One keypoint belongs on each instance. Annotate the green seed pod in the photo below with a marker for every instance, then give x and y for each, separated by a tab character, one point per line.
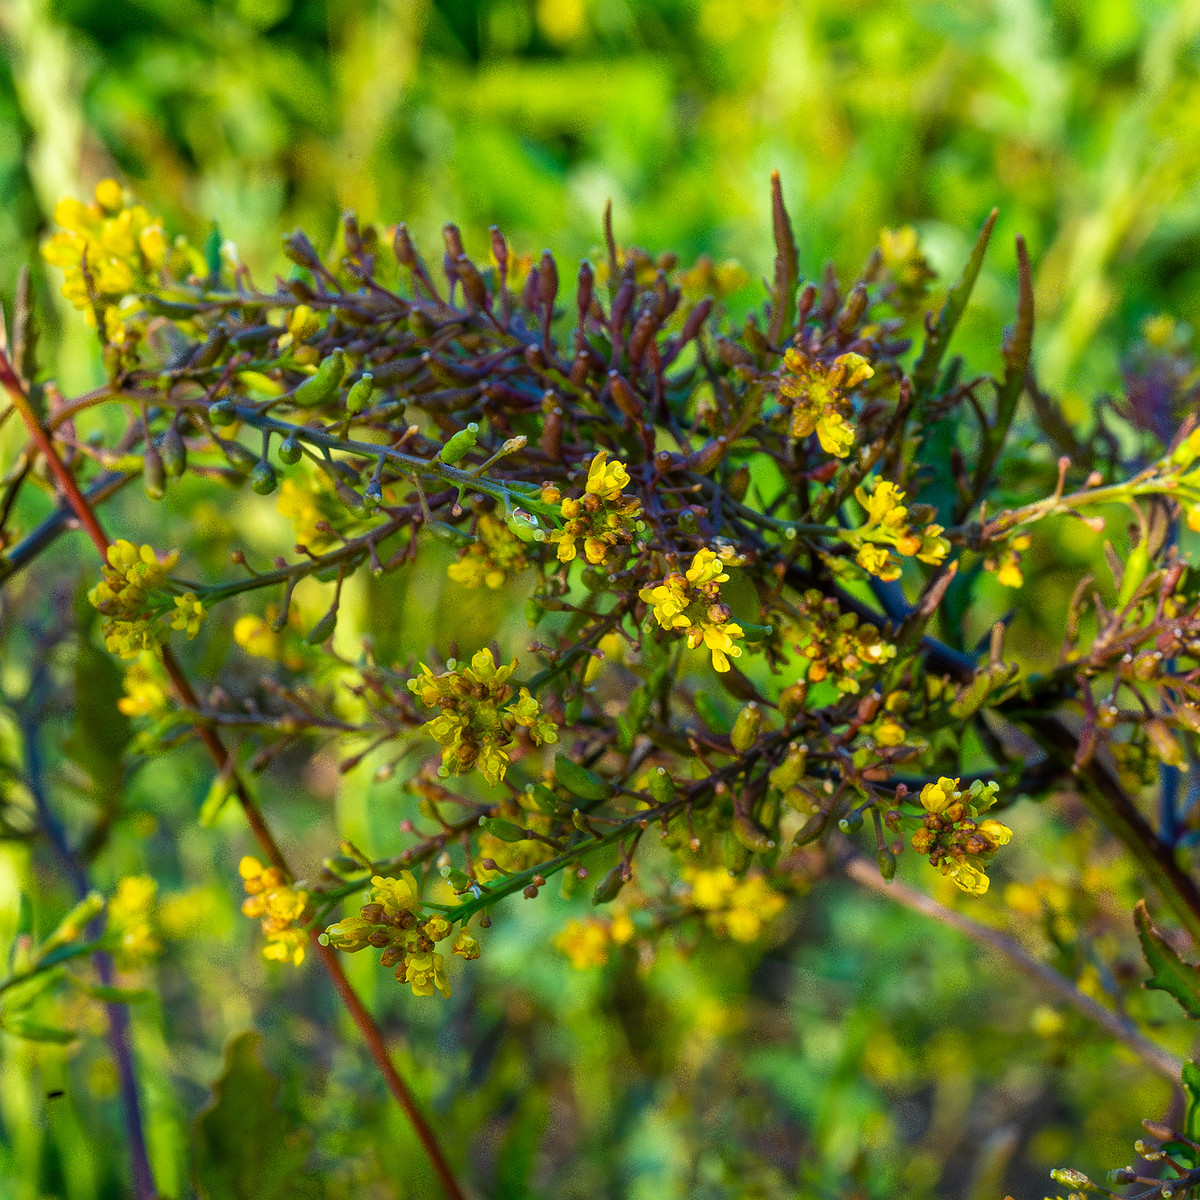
573	710
751	834
373	494
358	398
262	478
459	444
756	633
791	770
341	866
1137	566
543	798
661	786
746	727
318	388
525	527
610	886
174	452
813	827
460	881
1163	743
579	781
506	831
154	474
210	350
887	863
222	413
791	700
239	456
290	451
852	822
323	629
449	534
533	613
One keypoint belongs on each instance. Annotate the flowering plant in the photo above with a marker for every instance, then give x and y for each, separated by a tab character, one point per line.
755	562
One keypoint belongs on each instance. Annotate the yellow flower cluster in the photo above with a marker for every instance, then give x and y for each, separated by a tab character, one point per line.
956	841
478	718
391	921
130	575
586	943
887	528
130	929
837	646
496	554
692	602
819	395
144	694
107	251
280	906
602	518
732	907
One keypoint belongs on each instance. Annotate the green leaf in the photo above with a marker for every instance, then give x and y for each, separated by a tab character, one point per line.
32	1032
1191	1113
1170	973
518	1153
243	1147
925	372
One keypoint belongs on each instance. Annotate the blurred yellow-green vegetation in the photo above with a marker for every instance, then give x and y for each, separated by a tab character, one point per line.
858	1050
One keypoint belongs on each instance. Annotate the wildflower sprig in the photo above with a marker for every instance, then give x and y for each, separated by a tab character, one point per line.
603	518
278	906
479	714
955	836
691	604
889	527
391	920
818	394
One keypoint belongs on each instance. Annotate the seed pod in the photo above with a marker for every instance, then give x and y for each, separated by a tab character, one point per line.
318	388
746	728
581	782
473	286
301	251
262	478
243	459
791	770
358	399
583	291
210	350
449	534
751	834
813	827
887	863
661	786
610	886
323	629
506	831
624	397
290	451
154	475
222	413
1165	745
1137	565
174	451
852	822
791	700
459	444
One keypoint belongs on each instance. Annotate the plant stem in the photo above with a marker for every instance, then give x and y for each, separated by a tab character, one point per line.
1154	1056
262	833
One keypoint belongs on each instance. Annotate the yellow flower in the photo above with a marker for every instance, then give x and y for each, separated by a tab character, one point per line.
819	395
130	931
424	972
887	528
585	943
496	554
107	251
143	693
478	717
602	518
956	841
313	511
256	637
737	908
279	906
189	613
692	602
1008	572
465	945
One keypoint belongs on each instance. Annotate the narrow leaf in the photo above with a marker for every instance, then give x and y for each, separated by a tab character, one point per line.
938	339
1170	973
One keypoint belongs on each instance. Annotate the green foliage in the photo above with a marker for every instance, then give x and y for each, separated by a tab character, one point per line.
1170	973
244	1148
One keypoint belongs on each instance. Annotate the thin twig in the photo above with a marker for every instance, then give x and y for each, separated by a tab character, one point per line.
1154	1056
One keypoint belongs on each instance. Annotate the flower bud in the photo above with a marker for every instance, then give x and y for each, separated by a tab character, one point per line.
661	786
323	629
358	399
290	451
154	474
610	886
174	451
459	444
262	478
222	413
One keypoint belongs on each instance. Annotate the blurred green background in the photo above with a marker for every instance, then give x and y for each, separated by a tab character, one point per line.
859	1051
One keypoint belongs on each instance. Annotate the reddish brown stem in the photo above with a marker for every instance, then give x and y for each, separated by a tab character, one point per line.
370	1031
